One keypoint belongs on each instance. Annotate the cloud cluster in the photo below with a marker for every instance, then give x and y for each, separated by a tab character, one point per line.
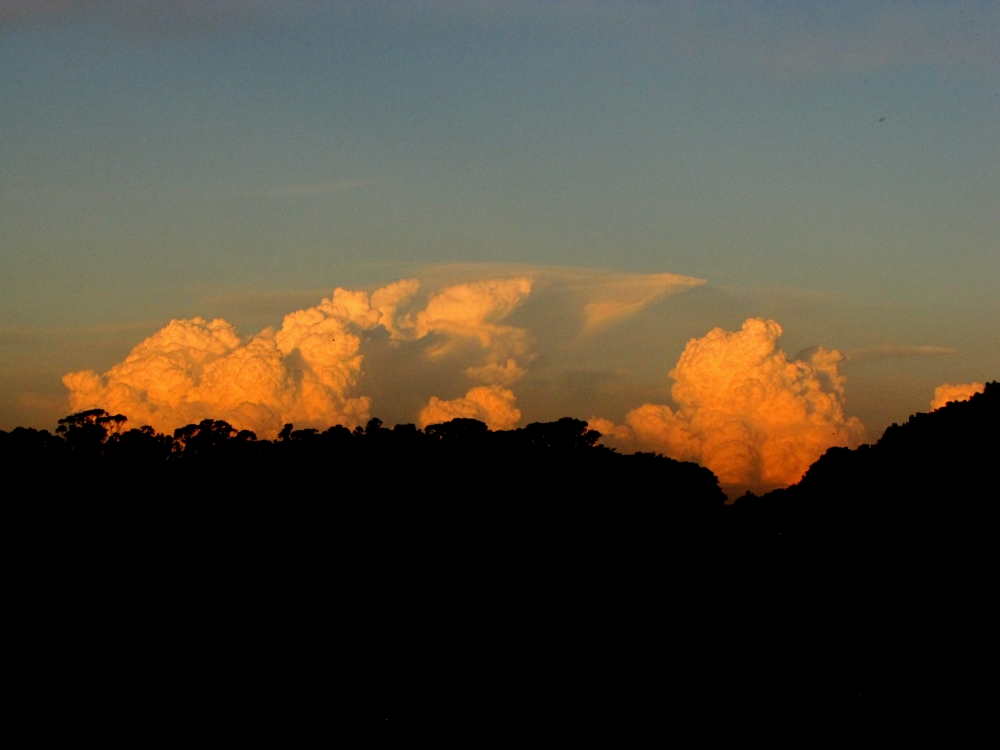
745	410
946	393
196	369
305	371
741	406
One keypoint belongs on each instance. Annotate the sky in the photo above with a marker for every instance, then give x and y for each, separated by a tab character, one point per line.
834	168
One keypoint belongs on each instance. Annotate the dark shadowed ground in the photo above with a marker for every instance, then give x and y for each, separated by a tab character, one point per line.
538	568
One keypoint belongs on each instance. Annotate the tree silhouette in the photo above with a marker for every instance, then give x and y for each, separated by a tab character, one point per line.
86	431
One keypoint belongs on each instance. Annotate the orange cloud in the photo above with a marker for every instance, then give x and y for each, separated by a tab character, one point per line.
195	369
303	373
947	393
746	411
490	404
309	368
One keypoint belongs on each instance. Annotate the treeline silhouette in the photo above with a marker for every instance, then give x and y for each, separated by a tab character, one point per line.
934	469
533	555
461	460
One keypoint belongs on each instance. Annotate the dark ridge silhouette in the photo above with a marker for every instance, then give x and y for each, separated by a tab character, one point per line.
885	553
934	469
531	557
460	461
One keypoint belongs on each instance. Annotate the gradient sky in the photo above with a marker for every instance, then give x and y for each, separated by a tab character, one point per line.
835	166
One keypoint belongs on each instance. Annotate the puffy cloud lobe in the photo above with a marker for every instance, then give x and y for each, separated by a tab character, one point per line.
154	383
490	404
474	311
746	411
193	369
945	394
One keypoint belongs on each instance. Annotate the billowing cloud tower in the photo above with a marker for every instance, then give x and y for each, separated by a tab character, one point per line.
746	411
196	369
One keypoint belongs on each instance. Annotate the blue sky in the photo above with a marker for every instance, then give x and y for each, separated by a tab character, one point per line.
832	165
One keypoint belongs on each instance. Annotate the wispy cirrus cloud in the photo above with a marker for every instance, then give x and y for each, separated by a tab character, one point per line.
620	296
590	300
896	352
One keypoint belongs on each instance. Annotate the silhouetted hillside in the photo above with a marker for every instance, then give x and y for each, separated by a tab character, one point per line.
936	470
523	548
885	555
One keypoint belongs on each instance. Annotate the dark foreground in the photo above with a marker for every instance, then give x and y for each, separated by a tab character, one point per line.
531	569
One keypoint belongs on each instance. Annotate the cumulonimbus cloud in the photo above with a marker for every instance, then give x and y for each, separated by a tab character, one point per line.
746	411
946	393
309	370
305	372
196	369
